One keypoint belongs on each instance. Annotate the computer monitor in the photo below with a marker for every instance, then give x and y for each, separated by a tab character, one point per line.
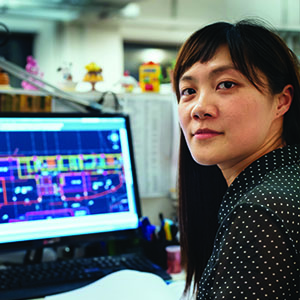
65	175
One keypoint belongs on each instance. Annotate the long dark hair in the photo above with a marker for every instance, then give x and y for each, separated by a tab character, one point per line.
253	47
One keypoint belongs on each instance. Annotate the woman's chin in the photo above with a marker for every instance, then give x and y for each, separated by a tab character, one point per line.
204	161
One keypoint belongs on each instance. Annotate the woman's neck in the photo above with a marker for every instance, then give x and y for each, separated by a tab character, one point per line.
232	170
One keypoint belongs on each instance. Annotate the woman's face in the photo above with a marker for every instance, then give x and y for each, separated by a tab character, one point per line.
224	118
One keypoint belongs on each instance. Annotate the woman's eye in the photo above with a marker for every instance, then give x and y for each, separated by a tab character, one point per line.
188	91
226	85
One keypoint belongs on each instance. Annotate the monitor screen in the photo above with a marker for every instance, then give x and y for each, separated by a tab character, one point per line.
65	175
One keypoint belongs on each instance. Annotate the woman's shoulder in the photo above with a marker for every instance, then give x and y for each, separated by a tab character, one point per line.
276	198
279	190
279	186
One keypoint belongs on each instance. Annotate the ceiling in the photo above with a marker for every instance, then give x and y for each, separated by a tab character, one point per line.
64	10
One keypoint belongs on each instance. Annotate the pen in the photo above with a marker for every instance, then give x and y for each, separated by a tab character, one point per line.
167	229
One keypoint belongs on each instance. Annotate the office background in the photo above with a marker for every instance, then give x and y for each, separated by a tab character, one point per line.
119	35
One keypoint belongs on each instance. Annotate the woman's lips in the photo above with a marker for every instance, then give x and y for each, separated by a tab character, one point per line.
202	134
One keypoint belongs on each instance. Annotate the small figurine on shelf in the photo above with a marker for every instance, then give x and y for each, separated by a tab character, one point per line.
128	83
32	68
93	75
67	82
149	77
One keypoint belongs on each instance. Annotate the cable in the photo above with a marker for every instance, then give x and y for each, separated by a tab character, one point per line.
4	39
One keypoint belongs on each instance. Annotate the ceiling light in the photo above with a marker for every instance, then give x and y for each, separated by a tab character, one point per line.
152	54
131	10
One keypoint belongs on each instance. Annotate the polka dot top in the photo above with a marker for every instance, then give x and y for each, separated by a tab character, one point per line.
256	249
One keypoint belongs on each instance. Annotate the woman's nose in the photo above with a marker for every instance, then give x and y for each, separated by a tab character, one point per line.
203	109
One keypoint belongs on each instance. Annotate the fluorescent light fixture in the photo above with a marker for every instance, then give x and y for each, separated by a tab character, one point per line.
152	54
50	14
131	10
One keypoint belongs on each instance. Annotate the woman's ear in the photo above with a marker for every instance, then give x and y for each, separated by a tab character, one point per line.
284	100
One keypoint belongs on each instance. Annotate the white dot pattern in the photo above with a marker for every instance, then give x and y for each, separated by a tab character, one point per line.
256	250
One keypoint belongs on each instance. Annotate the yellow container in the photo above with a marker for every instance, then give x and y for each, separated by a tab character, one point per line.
149	77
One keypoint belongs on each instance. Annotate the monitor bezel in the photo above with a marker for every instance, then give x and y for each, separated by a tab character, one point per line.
81	239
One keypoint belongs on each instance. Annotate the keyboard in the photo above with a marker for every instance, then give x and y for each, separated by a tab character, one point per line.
37	280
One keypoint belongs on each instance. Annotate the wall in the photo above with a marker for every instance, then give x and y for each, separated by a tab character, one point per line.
82	44
160	22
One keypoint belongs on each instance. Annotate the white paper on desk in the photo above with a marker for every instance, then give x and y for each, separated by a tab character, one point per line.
125	285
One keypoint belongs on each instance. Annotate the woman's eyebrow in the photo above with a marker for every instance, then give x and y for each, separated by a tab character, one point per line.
211	74
217	71
187	78
221	69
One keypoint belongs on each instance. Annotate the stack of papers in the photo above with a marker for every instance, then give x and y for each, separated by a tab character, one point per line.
126	285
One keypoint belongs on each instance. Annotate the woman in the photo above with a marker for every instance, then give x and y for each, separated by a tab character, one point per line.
238	92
